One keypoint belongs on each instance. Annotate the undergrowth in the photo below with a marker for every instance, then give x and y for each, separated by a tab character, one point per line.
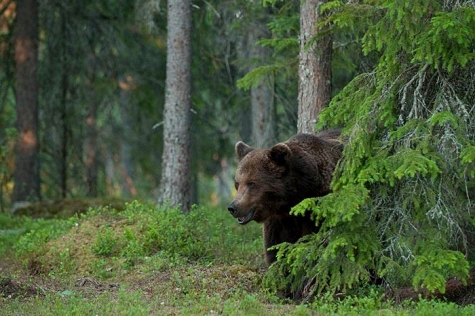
150	261
106	238
13	227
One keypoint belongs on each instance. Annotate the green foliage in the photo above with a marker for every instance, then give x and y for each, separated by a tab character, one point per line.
371	301
249	305
467	157
432	265
354	198
38	232
106	238
337	264
105	243
448	40
71	303
363	302
424	31
254	76
13	227
402	201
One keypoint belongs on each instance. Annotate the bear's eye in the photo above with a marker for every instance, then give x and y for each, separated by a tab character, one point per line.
251	185
236	185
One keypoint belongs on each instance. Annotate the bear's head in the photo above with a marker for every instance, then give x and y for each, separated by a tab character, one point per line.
262	184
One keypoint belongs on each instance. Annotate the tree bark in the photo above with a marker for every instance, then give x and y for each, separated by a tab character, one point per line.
175	184
27	178
314	66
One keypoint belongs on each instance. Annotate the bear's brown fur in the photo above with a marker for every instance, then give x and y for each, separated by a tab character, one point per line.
269	182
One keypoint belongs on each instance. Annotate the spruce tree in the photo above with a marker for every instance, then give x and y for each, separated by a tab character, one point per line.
402	206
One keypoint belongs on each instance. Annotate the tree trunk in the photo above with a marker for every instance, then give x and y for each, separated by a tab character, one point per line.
314	67
176	180
27	178
262	95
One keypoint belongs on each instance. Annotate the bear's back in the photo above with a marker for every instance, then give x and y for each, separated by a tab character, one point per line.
321	152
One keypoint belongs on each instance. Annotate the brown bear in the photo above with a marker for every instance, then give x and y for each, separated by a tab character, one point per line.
269	182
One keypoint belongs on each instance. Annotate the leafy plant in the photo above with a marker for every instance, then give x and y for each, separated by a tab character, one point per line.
38	232
106	243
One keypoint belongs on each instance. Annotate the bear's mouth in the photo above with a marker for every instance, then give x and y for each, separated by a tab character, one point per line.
246	219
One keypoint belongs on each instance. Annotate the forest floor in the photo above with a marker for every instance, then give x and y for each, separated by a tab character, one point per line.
140	262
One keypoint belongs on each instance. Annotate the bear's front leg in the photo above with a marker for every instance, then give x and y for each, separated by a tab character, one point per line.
285	229
271	232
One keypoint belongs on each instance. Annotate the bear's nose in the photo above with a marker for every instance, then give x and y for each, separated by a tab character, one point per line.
232	208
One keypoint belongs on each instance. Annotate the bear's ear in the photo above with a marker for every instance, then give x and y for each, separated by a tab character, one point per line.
242	150
279	153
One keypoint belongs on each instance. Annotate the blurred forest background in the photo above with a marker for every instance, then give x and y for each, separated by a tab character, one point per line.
101	82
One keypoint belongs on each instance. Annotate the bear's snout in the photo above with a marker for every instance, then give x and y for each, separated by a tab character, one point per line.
232	208
241	214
